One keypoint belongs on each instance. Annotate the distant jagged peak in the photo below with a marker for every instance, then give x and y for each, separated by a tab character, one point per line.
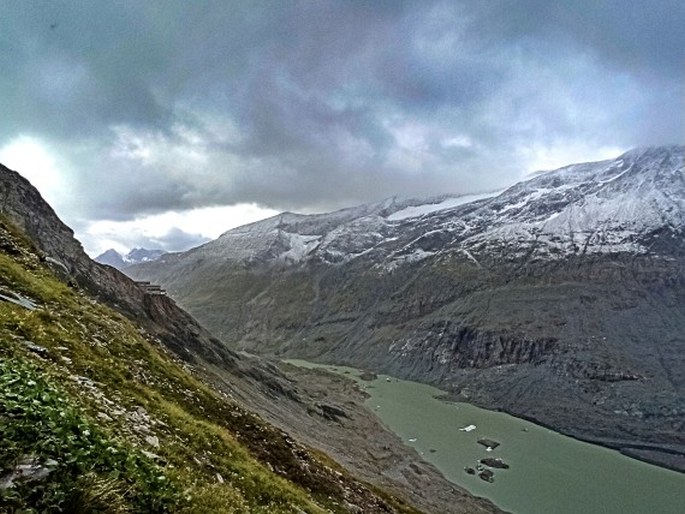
135	256
110	253
112	258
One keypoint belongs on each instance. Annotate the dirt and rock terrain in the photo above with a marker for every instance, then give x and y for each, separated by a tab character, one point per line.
326	411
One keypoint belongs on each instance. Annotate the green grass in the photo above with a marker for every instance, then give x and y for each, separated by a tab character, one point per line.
39	424
87	402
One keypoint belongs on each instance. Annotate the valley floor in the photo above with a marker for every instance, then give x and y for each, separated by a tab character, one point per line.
327	412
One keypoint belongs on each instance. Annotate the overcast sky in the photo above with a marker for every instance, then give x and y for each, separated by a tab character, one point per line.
163	123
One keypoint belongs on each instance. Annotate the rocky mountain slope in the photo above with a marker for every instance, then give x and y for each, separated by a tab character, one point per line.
115	399
559	299
136	256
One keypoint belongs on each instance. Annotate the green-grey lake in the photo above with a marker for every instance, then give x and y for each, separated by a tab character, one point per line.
550	473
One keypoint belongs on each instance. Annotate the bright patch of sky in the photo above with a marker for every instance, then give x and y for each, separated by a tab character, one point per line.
33	160
171	231
543	158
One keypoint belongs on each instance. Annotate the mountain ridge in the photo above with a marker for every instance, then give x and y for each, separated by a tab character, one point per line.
286	230
572	278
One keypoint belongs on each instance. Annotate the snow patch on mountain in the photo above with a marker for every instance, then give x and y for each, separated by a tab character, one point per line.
415	211
605	207
300	247
395	261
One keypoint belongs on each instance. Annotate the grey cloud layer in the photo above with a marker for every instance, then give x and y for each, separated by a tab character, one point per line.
175	240
316	105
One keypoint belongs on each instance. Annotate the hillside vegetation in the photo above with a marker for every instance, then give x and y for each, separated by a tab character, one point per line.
95	416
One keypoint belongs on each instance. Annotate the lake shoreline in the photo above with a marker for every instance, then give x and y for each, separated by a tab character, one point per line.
554	456
621	446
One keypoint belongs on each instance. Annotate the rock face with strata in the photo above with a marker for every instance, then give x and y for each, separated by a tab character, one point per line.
559	299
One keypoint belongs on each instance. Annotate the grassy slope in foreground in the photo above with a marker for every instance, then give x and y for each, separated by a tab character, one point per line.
99	418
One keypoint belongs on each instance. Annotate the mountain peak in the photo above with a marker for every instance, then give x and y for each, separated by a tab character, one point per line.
112	258
135	256
655	152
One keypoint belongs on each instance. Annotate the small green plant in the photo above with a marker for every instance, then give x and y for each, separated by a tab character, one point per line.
78	464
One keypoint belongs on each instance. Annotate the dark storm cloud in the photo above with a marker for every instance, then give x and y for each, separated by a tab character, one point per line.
74	67
315	105
635	35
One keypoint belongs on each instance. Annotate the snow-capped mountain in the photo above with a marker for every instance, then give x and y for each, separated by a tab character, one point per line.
558	299
603	207
135	256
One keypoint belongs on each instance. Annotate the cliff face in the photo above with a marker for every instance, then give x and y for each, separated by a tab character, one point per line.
559	299
22	205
